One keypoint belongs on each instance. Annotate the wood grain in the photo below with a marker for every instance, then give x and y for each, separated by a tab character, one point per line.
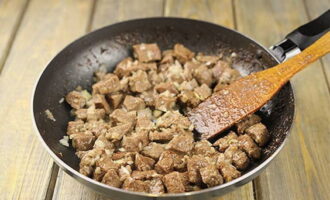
301	169
45	29
11	12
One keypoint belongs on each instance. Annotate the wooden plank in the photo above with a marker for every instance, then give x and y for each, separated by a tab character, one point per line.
106	12
220	12
11	12
45	29
301	171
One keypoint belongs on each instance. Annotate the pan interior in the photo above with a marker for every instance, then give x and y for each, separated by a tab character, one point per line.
74	66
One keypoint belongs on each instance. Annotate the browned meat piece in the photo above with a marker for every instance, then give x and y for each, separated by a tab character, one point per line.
155	78
139	82
95	114
228	171
237	157
111	178
182	143
168	57
194	164
164	134
219	68
203	92
224	142
136	185
108	85
132	143
75	99
82	142
203	148
115	99
247	144
74	127
124	172
133	103
100	102
179	161
123	158
182	53
105	163
247	122
174	183
229	75
116	133
174	73
164	165
123	67
102	143
88	160
124	84
207	60
144	175
143	163
98	174
165	101
258	133
143	136
97	128
81	113
211	176
148	97
143	123
157	186
122	116
203	75
153	150
145	113
189	98
171	118
166	86
188	85
147	52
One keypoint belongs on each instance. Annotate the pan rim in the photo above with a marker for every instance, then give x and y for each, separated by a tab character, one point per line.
74	173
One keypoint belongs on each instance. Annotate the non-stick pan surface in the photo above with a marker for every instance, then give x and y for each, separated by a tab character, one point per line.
75	65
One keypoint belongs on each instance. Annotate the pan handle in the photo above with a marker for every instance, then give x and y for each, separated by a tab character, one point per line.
302	37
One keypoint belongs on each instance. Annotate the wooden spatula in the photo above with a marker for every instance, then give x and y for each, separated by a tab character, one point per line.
250	93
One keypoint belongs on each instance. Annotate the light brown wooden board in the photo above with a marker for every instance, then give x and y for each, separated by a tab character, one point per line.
11	12
301	171
46	28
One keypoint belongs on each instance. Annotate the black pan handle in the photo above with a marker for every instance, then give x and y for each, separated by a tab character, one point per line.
302	37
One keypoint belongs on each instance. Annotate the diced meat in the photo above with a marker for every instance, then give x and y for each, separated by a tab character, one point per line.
98	174
124	172
157	186
95	114
123	68
145	175
111	178
121	116
147	52
153	150
182	143
166	86
105	163
203	75
164	165
82	142
115	99
228	171
174	183
189	98
194	164
102	143
178	159
75	99
74	127
175	73
132	143
143	163
219	68
155	78
139	82
202	92
124	84
81	114
203	148
144	123
123	158
148	97
136	185
168	57
247	122
100	102
116	133
145	113
247	144
88	160
165	101
133	103
97	128
182	53
188	85
258	133
229	75
211	176
207	60
224	142
106	86
171	118
237	157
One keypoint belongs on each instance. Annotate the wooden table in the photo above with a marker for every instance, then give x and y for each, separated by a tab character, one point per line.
33	31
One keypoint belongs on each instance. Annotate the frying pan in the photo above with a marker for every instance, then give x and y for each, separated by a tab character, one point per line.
105	47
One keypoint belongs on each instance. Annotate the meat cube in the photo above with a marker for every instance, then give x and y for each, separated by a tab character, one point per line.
153	150
81	114
124	84
179	161
202	92
237	157
75	99
122	116
144	123
143	163
203	148
166	86
229	75
98	174
224	142
156	186
145	113
105	163
194	164
164	165
123	68
147	52
188	85
228	171
132	143
82	142
115	99
173	118
219	68
165	101
123	158
108	85
74	127
133	103
111	178
97	128
203	75
164	134
174	183
207	60
124	172
155	78
182	53
88	160
145	175
102	143
148	97
211	176
175	73
100	102
136	185
139	82
95	114
258	133
168	57
182	143
247	144
116	133
189	98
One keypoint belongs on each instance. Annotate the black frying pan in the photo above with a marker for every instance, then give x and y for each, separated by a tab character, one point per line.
75	65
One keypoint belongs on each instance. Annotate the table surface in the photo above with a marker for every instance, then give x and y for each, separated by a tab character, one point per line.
33	31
